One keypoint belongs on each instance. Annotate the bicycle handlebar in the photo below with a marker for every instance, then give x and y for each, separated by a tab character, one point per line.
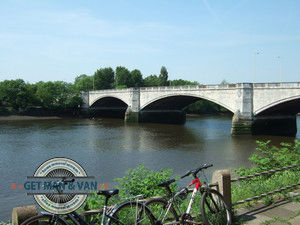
195	171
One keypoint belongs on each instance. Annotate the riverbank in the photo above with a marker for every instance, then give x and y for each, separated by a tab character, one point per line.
20	118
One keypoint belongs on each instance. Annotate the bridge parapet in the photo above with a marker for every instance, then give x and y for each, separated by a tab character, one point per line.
189	87
277	84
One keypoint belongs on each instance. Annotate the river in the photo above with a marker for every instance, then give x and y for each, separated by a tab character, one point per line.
106	148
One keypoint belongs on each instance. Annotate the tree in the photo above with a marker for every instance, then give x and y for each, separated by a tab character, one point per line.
181	82
46	93
123	77
31	96
57	95
79	78
163	77
224	82
151	81
84	83
14	93
104	78
137	78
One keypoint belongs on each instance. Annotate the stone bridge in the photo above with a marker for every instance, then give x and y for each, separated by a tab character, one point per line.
258	108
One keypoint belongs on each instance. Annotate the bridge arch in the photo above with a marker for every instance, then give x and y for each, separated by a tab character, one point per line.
108	100
178	102
107	106
286	106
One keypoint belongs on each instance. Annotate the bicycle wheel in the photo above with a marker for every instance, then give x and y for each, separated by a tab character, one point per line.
44	220
214	209
131	213
158	207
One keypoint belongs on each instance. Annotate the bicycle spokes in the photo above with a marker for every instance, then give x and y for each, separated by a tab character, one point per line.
216	211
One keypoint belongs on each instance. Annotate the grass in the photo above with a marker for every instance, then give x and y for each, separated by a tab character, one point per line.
257	186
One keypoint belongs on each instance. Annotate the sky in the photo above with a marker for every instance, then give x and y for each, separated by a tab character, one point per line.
207	41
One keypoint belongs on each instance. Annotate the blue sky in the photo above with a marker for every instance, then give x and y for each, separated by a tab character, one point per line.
196	40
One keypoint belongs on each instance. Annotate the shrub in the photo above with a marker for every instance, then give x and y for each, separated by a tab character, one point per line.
269	158
140	180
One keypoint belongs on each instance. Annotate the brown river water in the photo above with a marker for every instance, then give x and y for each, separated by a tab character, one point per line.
106	148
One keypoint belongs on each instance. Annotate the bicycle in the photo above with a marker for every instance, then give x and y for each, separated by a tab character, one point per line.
213	208
127	213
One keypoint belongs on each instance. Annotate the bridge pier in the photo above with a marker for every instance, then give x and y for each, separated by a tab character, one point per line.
284	125
132	113
243	117
131	116
241	125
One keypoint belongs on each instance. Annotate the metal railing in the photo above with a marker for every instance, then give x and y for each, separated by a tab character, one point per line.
266	194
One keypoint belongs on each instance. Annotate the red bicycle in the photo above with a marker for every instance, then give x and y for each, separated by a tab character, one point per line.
213	208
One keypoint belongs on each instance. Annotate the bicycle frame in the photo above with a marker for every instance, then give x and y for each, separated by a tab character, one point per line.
198	185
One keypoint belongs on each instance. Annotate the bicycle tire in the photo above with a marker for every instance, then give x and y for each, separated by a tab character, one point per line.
43	220
214	210
157	207
131	213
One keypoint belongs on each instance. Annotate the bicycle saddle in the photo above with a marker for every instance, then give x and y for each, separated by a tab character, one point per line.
166	183
108	193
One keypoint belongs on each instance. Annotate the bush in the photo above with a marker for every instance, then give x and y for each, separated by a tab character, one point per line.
269	158
272	157
140	180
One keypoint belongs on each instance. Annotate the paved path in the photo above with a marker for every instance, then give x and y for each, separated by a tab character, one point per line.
287	211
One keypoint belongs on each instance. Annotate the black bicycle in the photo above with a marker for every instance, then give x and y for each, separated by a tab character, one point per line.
130	212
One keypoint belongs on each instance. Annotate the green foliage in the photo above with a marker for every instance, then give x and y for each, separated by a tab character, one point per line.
142	180
181	82
121	87
272	157
104	78
123	77
269	158
163	77
84	83
137	78
58	95
14	93
151	81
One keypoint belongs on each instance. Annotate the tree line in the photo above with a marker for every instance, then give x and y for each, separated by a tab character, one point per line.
65	97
